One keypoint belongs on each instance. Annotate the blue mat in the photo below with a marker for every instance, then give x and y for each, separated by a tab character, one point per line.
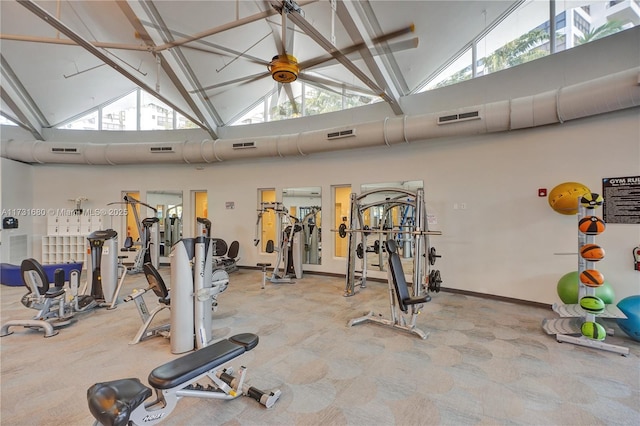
10	274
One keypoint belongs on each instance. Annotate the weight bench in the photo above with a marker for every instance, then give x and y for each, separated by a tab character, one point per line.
122	402
399	297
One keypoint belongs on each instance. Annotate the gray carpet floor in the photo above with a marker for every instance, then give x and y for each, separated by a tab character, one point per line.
484	362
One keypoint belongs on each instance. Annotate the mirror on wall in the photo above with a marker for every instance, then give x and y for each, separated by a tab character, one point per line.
341	210
385	214
305	203
169	212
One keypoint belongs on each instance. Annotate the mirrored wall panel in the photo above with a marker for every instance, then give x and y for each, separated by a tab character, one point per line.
169	212
305	204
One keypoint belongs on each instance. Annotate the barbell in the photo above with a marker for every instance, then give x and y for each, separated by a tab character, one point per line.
343	231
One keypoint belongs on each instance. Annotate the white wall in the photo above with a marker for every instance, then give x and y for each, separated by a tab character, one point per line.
15	198
504	243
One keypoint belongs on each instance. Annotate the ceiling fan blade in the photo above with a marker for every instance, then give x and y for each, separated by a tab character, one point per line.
275	97
287	33
356	47
246	57
315	35
243	80
219	50
289	91
327	60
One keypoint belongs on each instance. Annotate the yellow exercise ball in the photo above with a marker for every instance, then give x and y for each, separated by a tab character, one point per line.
565	197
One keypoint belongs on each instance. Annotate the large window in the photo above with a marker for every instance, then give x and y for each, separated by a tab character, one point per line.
316	101
525	34
137	110
121	114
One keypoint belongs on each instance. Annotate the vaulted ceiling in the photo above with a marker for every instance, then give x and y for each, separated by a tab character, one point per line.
210	60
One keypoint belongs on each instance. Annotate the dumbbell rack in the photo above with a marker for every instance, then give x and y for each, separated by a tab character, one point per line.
568	328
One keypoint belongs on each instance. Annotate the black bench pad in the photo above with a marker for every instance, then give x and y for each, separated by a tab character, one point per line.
192	365
111	403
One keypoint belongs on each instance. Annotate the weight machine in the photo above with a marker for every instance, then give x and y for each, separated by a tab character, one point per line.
58	305
195	286
405	307
149	247
414	235
311	232
289	247
173	225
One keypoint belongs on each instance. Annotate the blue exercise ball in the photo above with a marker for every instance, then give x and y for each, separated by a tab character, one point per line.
630	306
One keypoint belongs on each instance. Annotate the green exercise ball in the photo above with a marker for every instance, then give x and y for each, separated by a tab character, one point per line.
568	290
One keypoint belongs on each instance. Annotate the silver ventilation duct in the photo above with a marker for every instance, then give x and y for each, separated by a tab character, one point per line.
602	95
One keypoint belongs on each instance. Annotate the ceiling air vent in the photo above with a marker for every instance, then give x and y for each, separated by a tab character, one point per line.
455	118
341	134
244	145
161	149
65	150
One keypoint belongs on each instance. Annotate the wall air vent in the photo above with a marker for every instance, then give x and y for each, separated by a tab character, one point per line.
65	150
341	134
455	118
244	145
161	149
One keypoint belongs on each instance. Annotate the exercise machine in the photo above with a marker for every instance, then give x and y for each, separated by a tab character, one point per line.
157	285
123	402
289	248
56	306
148	247
229	261
49	302
218	284
105	268
405	305
311	232
195	286
203	227
413	235
173	225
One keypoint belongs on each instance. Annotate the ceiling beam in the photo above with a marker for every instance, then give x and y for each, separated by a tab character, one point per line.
164	32
23	121
364	9
350	25
315	35
228	26
18	99
88	46
147	39
67	42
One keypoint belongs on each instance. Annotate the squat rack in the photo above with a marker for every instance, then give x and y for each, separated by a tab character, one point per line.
418	233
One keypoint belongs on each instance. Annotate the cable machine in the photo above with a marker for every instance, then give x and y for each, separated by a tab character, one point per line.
149	249
311	232
289	248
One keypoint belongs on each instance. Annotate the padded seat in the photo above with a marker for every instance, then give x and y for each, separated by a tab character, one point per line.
112	403
183	369
399	282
